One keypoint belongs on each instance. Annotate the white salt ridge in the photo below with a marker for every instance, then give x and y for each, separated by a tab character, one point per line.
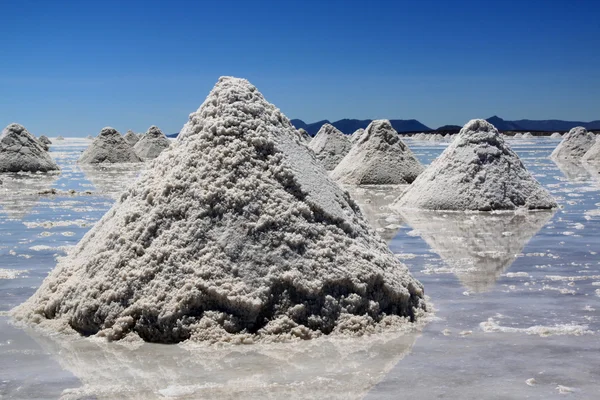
378	157
131	138
108	147
330	146
20	151
235	234
477	171
574	144
491	326
151	144
356	135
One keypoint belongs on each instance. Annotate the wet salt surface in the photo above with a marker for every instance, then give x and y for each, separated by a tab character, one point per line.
517	304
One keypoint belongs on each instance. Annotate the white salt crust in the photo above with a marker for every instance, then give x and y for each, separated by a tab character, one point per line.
378	157
574	144
236	232
330	146
108	147
151	144
20	151
477	171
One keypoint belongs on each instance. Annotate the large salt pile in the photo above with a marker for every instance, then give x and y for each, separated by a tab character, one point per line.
20	151
593	154
235	234
477	171
330	146
356	135
574	144
108	147
556	135
378	157
131	138
151	144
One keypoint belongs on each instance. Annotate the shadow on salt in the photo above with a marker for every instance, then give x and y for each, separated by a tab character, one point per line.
20	192
477	247
340	368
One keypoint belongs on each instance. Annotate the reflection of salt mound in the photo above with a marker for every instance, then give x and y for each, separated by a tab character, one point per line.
108	147
112	179
356	135
556	135
324	368
304	135
374	202
330	146
478	247
378	157
151	144
131	138
593	154
20	193
478	171
236	233
574	144
573	170
21	152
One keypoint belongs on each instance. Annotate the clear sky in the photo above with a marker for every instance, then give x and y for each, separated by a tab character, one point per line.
74	67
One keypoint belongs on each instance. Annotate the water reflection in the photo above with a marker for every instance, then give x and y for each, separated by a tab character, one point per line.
19	193
478	248
112	179
572	170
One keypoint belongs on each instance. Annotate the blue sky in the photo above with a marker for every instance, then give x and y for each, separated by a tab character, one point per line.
74	67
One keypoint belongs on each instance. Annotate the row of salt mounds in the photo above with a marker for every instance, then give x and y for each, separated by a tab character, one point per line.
151	144
236	233
20	151
109	147
131	138
330	146
478	171
356	135
556	135
593	154
379	157
574	144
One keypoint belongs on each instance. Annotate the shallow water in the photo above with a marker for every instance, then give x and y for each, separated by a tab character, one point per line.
517	301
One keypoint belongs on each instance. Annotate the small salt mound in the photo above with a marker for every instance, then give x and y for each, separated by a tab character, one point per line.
60	138
518	135
304	135
556	135
478	171
330	146
131	138
151	144
527	135
593	154
574	144
356	135
90	137
21	151
378	157
235	233
108	147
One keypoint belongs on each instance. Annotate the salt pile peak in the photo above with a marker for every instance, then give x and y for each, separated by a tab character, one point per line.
131	138
574	144
378	157
356	135
108	147
20	151
236	233
151	144
477	171
330	146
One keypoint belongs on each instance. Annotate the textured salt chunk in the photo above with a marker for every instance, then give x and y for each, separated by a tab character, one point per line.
556	135
330	146
304	135
20	151
356	135
574	144
478	171
131	138
378	157
151	144
593	154
235	230
108	147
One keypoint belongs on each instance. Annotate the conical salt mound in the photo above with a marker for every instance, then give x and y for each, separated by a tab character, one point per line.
90	137
20	151
574	144
518	135
356	135
527	135
593	154
131	138
151	144
379	157
556	135
477	171
108	147
330	146
236	233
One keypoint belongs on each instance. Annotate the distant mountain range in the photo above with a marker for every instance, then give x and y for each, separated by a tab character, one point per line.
348	126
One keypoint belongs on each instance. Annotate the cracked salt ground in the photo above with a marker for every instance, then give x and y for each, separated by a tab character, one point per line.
520	327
